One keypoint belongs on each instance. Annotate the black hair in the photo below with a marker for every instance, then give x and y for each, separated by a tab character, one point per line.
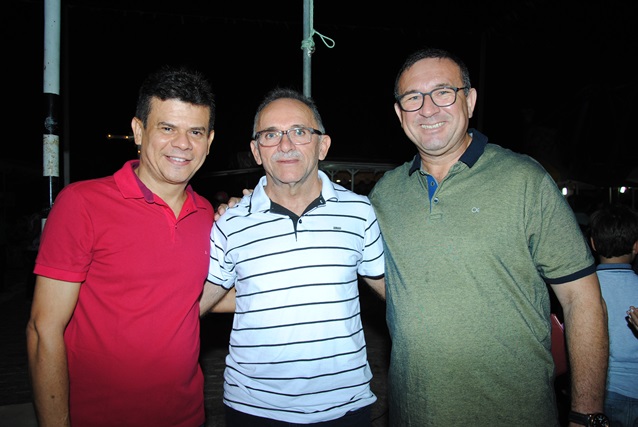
614	230
170	82
430	52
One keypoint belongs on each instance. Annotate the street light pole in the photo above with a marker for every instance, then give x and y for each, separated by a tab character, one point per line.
51	91
307	48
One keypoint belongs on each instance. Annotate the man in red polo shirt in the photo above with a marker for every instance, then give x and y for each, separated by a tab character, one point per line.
113	338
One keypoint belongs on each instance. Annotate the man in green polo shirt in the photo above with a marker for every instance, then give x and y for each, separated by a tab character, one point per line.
473	234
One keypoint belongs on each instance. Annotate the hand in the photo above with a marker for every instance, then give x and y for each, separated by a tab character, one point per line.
231	202
632	317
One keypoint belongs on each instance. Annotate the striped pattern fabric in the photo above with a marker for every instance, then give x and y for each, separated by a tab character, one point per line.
297	350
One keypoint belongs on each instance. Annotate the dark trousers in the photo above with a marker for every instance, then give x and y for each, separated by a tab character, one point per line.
359	418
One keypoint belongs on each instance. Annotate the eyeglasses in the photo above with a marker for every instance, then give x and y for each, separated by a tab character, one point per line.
297	135
441	97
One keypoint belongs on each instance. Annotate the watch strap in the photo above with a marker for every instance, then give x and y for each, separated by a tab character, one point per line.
578	418
589	420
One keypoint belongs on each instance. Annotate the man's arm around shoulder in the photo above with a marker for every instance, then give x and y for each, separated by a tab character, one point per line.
216	299
377	284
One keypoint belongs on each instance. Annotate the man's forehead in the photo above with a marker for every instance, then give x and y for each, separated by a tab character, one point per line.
430	73
285	111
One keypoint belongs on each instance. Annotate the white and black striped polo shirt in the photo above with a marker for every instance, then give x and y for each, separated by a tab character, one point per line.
297	350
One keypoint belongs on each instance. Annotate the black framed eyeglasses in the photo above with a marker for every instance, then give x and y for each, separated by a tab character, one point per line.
297	135
441	97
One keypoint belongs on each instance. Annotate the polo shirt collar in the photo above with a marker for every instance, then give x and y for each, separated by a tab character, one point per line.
612	266
260	202
130	184
132	187
469	157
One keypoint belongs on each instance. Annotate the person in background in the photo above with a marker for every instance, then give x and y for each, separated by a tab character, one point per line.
292	251
614	237
113	337
473	233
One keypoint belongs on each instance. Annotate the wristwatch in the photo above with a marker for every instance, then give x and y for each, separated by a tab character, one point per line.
590	420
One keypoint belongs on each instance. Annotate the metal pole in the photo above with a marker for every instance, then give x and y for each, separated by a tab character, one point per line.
307	27
51	91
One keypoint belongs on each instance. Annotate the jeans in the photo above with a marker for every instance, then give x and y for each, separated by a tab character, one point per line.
622	411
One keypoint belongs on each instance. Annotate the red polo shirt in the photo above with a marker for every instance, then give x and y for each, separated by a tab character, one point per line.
133	339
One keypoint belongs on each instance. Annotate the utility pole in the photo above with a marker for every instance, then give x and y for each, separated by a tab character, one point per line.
308	45
51	91
307	48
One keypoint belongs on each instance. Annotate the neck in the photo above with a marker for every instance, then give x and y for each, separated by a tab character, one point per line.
295	198
623	259
173	195
439	165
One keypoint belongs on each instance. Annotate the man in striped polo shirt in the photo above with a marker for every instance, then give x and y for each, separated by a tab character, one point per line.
293	250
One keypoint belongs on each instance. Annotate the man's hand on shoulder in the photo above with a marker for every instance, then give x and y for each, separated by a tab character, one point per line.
231	202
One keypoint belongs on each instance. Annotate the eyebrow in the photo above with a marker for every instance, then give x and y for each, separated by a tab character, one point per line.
296	125
435	87
172	125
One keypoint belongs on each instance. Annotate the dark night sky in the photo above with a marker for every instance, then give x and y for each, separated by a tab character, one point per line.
554	77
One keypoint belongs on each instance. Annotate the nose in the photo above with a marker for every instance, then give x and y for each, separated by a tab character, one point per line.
182	141
286	144
429	107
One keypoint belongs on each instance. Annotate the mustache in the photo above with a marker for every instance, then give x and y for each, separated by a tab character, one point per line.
280	155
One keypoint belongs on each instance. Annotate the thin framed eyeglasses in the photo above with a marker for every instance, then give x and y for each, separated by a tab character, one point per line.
441	97
297	135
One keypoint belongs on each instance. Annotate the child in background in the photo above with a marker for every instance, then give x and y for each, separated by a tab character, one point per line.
614	238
